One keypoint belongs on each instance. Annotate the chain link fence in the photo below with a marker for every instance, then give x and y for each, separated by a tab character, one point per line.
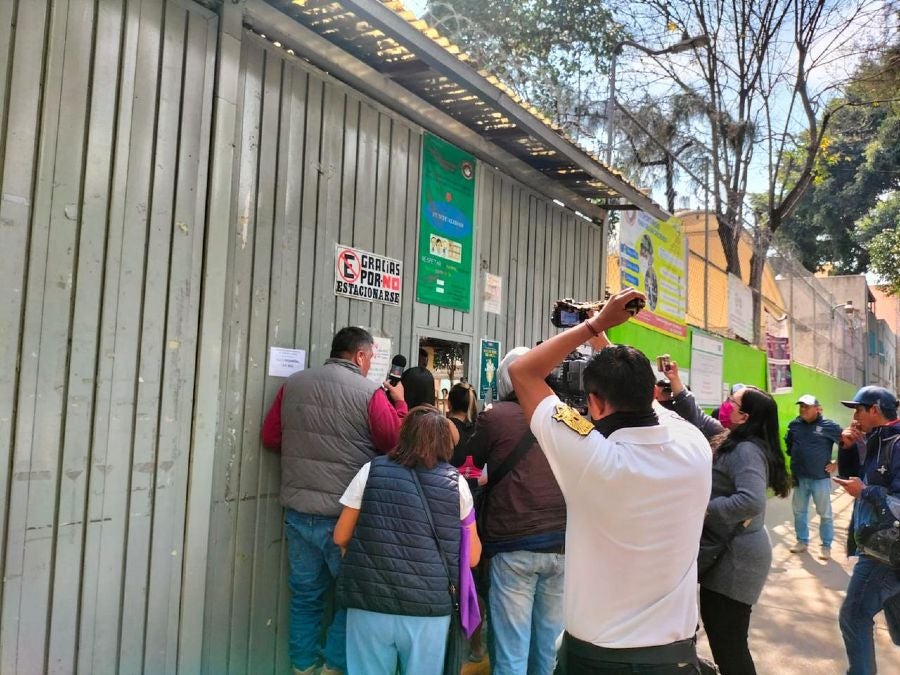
824	333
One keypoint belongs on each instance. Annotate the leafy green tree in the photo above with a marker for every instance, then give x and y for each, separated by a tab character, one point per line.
763	105
878	232
859	163
552	53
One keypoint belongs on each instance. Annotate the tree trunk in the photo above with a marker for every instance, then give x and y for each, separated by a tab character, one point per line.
730	236
762	240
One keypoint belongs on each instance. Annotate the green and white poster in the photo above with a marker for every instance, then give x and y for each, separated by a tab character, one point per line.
446	241
490	360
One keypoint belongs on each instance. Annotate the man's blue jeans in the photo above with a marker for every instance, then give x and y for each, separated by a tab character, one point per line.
526	612
820	491
871	585
314	561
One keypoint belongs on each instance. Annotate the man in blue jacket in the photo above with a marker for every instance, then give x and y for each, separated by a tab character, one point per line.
874	586
810	440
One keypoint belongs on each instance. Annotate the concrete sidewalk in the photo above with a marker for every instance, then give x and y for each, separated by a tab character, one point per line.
794	628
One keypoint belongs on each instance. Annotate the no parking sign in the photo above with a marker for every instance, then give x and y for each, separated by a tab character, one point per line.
362	275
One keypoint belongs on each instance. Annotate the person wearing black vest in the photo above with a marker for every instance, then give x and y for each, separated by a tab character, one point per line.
394	579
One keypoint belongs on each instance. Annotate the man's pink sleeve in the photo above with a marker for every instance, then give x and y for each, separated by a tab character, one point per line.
385	420
271	428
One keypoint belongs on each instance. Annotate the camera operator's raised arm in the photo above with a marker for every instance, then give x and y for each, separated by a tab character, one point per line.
528	371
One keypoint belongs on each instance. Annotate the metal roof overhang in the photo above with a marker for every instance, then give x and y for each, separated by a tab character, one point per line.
376	50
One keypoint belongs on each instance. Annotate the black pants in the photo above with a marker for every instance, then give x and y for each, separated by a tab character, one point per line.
576	658
727	623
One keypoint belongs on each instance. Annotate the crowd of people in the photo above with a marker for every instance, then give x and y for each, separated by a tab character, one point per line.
579	540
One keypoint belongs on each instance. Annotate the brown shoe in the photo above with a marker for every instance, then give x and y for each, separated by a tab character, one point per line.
825	553
799	547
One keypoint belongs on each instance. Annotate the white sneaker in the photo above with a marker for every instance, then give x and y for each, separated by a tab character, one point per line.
799	547
825	553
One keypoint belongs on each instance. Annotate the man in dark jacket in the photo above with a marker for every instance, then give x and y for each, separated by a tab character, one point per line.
874	585
810	440
327	422
523	529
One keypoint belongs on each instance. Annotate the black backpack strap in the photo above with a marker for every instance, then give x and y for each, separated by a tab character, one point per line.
508	464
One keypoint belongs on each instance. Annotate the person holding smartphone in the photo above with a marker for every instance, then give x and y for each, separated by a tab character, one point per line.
874	585
621	472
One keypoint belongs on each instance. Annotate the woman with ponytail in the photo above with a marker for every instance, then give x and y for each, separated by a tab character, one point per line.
748	460
463	411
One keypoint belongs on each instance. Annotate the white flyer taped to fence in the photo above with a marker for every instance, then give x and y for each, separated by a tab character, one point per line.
285	362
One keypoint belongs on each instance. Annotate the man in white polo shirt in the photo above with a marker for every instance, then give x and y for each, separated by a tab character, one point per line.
636	486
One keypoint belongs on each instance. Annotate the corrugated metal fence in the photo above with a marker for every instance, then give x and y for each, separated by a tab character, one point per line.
316	164
106	127
145	153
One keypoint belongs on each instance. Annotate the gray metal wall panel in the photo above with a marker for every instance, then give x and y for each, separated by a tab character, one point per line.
105	129
317	165
18	139
542	251
108	462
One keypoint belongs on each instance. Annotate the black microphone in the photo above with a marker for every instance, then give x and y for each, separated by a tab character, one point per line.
398	363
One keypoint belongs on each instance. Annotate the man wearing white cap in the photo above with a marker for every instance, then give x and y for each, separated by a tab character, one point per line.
810	440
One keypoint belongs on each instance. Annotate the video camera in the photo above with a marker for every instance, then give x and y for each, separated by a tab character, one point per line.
567	313
567	381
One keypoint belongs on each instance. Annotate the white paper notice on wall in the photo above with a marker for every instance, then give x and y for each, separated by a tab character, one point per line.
285	362
706	368
381	359
740	308
493	293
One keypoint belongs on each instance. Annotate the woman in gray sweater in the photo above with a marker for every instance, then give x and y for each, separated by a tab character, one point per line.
747	460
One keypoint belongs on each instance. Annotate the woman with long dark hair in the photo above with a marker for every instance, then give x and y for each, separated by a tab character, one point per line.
748	460
418	386
406	525
463	410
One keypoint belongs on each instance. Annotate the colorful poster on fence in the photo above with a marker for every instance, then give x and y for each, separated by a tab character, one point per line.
490	360
778	349
652	259
446	216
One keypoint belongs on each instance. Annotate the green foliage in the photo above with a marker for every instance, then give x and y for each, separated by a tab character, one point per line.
549	51
878	232
859	164
448	356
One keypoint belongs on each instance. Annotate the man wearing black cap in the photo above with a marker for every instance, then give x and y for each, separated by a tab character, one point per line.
809	441
874	585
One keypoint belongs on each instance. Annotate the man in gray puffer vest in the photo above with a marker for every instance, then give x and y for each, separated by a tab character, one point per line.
327	422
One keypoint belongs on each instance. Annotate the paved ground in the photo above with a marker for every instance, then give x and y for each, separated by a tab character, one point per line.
794	630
